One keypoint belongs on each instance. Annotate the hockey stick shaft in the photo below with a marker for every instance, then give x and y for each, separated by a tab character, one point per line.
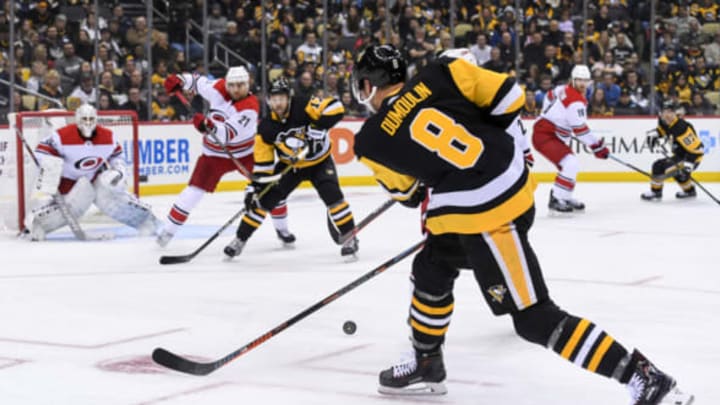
626	164
697	183
186	258
367	220
245	172
178	363
57	197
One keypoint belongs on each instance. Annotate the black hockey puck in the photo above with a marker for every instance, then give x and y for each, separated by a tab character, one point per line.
349	327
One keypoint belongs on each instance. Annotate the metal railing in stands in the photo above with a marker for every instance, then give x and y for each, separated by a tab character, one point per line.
227	53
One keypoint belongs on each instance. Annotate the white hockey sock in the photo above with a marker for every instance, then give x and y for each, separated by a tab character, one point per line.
565	179
186	201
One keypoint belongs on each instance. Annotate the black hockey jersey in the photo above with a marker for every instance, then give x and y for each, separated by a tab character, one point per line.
686	144
285	135
445	128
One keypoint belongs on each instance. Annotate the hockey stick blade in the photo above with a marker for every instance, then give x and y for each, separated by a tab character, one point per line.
185	365
177	363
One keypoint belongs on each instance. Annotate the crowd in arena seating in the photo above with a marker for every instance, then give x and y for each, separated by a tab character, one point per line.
538	43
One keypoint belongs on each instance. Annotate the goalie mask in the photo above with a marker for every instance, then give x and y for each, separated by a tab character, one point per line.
379	65
86	120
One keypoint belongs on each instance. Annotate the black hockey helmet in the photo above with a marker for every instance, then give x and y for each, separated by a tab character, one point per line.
280	85
381	65
669	104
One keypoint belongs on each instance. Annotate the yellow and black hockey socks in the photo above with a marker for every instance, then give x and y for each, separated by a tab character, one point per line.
342	217
429	319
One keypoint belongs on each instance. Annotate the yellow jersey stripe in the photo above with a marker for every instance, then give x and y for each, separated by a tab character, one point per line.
574	339
426	309
263	152
488	220
600	353
428	331
510	256
399	185
250	222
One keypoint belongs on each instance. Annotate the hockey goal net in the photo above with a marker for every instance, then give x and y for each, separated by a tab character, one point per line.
18	172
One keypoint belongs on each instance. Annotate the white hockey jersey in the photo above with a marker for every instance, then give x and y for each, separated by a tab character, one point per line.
82	157
565	108
235	121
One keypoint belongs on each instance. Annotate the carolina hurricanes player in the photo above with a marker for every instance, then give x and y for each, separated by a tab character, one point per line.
232	119
563	116
84	163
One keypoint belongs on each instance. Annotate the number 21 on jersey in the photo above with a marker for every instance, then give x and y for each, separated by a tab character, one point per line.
438	132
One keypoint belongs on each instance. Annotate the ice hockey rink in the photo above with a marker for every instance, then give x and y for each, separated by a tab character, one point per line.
80	319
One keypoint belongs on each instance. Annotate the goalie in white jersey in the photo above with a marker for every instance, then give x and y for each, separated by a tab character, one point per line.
564	116
84	163
229	127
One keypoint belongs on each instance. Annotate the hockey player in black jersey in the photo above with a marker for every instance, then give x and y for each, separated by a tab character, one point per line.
295	124
687	152
444	130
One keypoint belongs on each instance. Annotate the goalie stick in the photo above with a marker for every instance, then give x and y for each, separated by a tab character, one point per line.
186	258
58	198
342	239
184	365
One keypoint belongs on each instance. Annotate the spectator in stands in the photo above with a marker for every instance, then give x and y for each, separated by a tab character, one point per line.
92	25
551	64
545	86
598	107
638	93
37	75
105	102
333	85
533	52
127	72
507	50
351	22
162	49
481	50
116	38
136	104
602	20
444	43
216	22
84	48
161	108
703	78
707	11
60	25
682	90
138	33
610	89
160	73
310	51
304	86
69	64
682	20
531	108
554	35
622	50
53	42
51	88
700	105
337	54
712	51
693	36
85	92
352	109
625	105
608	65
566	24
124	23
495	63
41	17
103	56
420	49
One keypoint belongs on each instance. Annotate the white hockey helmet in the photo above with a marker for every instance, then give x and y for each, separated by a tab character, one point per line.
580	72
463	53
86	120
237	74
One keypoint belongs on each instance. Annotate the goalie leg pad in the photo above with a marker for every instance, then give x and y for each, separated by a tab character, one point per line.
123	207
47	216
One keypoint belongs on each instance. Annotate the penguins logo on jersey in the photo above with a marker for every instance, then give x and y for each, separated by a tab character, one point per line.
89	163
497	292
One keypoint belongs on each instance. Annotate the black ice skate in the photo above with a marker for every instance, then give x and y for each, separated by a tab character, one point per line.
287	238
650	386
559	205
690	193
350	248
575	204
422	375
234	248
652	195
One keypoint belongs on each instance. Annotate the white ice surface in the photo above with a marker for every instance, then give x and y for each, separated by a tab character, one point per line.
78	321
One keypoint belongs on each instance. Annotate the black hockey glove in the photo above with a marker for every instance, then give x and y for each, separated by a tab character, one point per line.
251	198
416	198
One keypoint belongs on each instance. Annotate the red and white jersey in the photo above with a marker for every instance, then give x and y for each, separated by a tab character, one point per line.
81	157
565	108
235	121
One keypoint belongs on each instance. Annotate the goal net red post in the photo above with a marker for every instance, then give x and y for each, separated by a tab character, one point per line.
18	171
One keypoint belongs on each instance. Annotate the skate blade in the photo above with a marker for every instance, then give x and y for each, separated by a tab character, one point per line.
288	245
677	397
350	258
422	388
557	214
